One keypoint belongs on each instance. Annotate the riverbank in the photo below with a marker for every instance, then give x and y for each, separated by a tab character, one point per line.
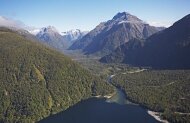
155	115
106	96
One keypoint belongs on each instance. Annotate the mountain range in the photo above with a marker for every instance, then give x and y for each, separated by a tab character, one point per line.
53	38
37	81
48	35
169	48
107	36
125	38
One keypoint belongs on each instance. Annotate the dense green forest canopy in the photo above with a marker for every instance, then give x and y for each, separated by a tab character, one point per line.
36	81
166	91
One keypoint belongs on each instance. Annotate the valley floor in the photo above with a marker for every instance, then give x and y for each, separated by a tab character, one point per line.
165	91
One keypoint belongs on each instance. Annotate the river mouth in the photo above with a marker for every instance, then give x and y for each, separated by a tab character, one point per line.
119	97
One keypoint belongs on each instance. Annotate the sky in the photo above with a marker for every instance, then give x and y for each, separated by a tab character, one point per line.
87	14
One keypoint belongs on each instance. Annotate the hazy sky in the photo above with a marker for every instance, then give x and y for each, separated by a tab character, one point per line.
86	14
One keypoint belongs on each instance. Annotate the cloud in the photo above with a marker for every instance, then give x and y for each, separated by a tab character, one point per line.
7	22
160	23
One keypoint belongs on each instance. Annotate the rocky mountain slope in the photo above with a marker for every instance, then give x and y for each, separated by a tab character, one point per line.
107	36
50	36
169	48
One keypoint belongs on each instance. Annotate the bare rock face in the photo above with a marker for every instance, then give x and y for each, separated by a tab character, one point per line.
107	36
167	49
50	36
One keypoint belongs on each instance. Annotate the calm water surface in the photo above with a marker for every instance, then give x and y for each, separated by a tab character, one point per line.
93	110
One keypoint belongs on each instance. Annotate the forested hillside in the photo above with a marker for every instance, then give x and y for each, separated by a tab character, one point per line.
36	81
162	91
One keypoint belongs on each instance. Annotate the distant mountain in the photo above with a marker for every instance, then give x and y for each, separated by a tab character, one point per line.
17	26
36	81
34	31
169	48
50	36
74	34
53	38
107	36
47	35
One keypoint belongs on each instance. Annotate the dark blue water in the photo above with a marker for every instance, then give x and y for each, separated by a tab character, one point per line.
96	110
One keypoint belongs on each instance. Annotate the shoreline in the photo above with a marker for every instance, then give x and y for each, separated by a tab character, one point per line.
105	96
156	116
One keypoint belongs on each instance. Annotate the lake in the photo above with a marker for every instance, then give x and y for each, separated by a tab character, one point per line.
94	110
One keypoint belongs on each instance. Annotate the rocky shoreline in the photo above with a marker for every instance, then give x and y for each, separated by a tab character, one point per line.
156	115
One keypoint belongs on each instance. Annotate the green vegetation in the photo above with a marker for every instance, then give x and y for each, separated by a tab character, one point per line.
36	81
161	90
165	91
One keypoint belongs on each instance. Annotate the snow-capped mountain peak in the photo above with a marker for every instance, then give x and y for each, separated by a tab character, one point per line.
49	29
34	31
73	34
